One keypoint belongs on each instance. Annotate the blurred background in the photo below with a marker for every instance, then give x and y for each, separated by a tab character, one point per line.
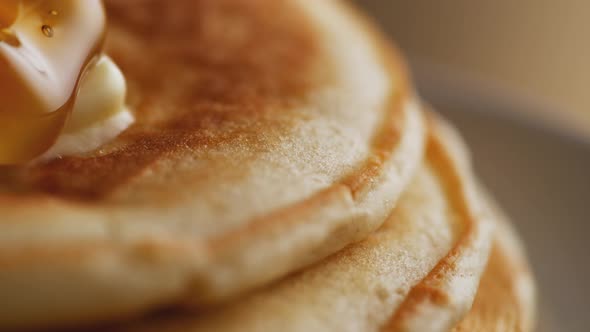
514	76
535	50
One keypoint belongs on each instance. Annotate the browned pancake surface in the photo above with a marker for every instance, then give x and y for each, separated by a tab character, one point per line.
201	73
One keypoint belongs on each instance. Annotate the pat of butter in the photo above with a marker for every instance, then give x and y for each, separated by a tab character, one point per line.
99	114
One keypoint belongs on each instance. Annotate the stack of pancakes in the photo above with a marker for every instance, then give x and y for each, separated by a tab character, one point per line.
281	176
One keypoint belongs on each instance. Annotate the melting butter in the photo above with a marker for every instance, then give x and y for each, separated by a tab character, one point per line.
99	114
58	93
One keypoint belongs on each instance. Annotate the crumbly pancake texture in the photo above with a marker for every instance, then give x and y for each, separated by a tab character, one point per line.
264	142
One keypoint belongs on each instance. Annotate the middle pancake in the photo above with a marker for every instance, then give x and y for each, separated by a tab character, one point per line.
437	227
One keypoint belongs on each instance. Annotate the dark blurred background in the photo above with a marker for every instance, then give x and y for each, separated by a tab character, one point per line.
514	76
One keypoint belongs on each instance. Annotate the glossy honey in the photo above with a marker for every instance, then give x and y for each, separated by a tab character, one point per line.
46	46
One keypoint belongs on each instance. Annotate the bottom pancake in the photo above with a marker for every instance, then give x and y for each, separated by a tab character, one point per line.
505	301
423	265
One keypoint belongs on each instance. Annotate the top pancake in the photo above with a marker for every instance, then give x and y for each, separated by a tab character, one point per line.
269	135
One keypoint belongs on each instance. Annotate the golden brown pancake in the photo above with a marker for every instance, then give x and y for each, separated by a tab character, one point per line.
384	283
264	142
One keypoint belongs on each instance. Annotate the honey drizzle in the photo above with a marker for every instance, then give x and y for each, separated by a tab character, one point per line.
46	47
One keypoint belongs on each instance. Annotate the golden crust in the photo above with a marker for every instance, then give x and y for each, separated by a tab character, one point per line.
505	300
446	293
497	306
